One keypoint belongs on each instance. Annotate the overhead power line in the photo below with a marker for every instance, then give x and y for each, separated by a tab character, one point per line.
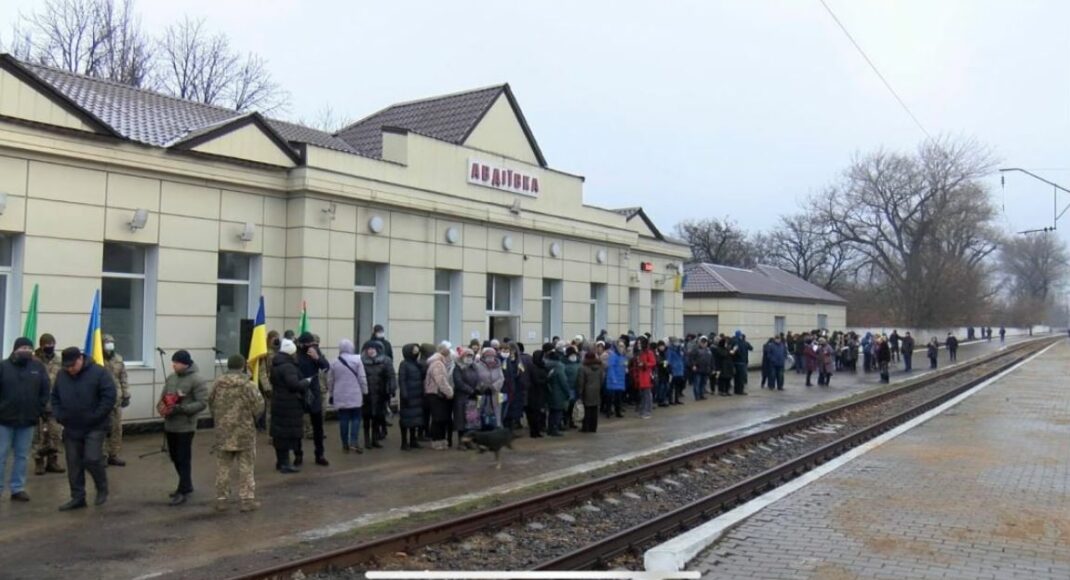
877	71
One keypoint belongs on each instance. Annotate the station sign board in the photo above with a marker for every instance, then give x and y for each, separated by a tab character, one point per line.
495	176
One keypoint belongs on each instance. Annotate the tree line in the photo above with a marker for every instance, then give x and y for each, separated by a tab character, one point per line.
909	239
105	39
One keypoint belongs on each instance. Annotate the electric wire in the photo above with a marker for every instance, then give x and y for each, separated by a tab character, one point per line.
877	71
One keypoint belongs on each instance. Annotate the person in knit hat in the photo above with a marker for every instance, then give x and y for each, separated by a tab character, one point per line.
185	387
24	391
48	440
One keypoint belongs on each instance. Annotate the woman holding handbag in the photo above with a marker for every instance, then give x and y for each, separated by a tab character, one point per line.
347	386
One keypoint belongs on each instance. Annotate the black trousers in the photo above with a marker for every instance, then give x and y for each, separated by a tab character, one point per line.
536	422
85	454
614	403
180	448
282	450
590	419
374	426
317	435
678	386
740	378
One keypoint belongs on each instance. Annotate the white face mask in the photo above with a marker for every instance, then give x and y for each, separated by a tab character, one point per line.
379	335
109	347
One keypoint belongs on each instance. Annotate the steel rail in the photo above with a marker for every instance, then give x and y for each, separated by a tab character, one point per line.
702	510
520	510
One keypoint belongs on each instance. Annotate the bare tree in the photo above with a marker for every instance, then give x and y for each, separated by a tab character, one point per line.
202	67
326	119
805	246
923	222
97	38
718	241
1035	266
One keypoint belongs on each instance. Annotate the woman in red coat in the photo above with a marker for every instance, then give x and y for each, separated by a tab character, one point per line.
643	367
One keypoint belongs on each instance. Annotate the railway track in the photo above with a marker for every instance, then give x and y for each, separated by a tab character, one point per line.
625	512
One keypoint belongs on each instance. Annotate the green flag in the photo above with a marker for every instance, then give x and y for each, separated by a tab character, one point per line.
29	327
302	327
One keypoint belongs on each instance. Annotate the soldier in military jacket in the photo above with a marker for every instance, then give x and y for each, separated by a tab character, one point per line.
113	361
48	440
235	403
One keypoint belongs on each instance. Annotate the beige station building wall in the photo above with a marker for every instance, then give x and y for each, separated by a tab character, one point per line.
758	318
68	192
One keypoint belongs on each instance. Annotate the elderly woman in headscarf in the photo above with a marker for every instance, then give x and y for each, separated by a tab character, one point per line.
491	379
465	387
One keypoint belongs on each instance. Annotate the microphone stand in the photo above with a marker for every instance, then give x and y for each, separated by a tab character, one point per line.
163	369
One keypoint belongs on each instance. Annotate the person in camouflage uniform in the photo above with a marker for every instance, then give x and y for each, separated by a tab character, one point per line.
235	403
264	378
48	438
113	361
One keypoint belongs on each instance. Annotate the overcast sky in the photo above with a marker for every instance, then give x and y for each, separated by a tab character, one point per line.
691	108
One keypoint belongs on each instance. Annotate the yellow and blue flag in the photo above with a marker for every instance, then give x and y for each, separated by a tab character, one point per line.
258	344
94	346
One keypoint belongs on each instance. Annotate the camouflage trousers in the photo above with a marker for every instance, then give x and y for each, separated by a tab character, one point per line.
114	444
47	438
225	462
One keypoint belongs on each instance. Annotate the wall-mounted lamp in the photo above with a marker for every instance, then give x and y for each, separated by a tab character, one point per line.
3	202
673	266
555	250
507	243
330	211
376	224
453	235
141	217
247	232
601	256
515	209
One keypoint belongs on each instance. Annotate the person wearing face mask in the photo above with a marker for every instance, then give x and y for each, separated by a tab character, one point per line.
379	336
572	371
311	362
491	379
24	392
465	384
113	361
48	440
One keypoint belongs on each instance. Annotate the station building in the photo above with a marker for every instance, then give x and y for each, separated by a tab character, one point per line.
761	302
438	218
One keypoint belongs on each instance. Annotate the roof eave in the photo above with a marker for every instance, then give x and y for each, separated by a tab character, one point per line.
16	68
199	138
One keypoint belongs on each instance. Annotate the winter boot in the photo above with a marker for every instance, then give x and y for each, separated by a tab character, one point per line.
53	465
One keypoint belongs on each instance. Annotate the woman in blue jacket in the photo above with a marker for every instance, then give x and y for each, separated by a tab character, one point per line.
616	375
677	370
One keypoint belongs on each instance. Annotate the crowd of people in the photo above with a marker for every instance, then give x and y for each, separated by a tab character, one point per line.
435	393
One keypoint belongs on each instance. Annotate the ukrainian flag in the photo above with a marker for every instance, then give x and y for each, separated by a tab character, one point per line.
94	346
258	344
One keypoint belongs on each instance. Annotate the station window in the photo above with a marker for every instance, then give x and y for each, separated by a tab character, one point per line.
780	325
10	305
551	308
822	321
237	288
599	308
125	290
364	287
657	313
447	305
633	311
500	290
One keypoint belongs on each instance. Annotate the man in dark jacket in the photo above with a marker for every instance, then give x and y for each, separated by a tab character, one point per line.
287	405
82	400
411	376
379	337
536	405
382	385
741	360
952	347
310	362
776	354
24	389
907	349
700	360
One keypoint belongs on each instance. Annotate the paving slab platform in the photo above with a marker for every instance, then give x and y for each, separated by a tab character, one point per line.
980	491
136	535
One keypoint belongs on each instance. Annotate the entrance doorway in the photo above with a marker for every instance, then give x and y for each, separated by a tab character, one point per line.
504	327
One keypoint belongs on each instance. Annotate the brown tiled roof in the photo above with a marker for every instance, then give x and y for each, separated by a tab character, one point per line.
156	119
450	118
768	282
